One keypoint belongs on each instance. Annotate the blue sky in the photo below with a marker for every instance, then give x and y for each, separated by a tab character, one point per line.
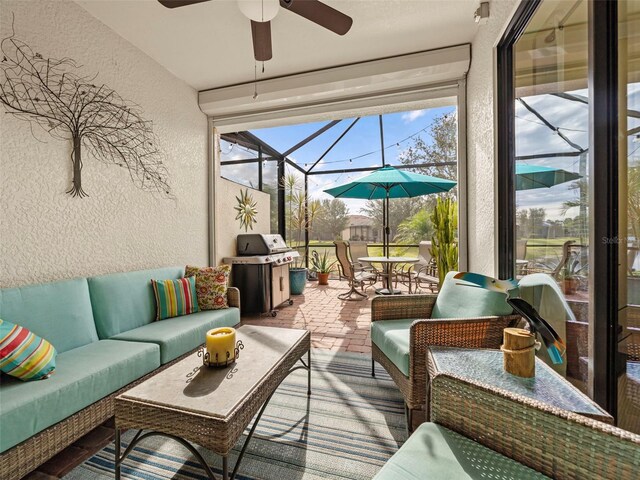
362	140
533	137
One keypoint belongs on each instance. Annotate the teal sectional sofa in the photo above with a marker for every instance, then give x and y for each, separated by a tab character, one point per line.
106	336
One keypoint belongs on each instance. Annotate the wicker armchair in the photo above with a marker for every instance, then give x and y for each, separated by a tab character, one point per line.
557	443
481	332
492	424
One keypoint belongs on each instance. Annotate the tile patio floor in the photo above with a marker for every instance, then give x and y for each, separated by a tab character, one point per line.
335	324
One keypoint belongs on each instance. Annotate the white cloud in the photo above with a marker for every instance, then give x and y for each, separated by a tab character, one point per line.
409	117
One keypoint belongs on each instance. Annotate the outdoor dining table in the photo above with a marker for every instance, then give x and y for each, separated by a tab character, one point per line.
388	264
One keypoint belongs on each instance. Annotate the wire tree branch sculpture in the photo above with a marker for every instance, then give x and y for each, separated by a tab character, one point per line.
57	97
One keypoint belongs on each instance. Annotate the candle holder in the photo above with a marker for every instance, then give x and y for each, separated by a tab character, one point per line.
218	362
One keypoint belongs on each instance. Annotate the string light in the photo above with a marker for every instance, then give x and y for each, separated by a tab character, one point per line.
392	145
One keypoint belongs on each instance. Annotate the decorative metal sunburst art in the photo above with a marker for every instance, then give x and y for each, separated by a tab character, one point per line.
247	211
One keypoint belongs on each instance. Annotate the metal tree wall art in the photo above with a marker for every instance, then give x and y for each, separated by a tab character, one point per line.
57	97
247	211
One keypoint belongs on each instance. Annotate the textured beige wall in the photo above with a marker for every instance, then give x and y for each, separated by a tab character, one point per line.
47	235
481	139
226	224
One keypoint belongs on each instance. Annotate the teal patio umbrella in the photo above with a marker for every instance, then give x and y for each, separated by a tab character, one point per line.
389	182
529	177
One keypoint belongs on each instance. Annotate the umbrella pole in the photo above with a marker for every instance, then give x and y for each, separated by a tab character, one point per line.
386	224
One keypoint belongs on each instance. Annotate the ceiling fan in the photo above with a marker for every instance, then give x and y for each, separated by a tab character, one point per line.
261	12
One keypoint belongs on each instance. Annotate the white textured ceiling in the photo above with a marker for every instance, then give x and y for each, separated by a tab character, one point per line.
209	45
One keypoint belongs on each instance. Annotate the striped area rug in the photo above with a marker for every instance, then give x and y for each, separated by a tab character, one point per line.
348	429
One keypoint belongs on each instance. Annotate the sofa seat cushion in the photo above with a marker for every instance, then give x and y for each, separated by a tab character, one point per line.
83	376
179	335
392	337
434	452
60	312
458	299
124	301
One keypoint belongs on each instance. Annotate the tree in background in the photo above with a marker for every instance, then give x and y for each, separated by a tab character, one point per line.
399	210
415	228
297	215
531	222
332	218
443	149
582	220
522	223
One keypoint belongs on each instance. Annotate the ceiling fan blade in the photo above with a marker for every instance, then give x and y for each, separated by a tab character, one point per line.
320	13
261	34
179	3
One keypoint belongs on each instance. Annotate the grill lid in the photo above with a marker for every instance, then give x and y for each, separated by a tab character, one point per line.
260	244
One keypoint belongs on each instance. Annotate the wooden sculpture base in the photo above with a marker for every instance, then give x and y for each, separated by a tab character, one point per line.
519	352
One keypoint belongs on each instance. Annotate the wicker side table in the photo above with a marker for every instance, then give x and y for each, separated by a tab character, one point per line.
212	407
484	367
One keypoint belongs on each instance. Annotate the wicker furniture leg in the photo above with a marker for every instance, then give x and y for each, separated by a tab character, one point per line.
409	413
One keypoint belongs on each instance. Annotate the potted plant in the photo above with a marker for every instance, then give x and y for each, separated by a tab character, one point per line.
323	266
570	274
444	246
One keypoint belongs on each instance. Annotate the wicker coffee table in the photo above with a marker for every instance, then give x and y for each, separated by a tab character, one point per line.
211	407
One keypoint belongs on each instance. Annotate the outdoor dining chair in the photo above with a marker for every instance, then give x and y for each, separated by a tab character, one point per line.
358	250
424	273
356	278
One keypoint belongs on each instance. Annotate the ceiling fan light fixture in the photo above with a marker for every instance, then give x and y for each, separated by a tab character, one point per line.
259	10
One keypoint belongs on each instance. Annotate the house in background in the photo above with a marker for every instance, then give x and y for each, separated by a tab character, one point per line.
361	228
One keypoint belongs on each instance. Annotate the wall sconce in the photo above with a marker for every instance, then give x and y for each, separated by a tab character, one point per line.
481	15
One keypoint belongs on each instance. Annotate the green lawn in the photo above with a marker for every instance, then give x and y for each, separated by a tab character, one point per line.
543	249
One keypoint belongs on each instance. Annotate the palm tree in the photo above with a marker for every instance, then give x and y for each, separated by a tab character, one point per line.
415	229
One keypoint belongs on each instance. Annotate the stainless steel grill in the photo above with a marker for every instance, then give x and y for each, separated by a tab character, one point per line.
261	272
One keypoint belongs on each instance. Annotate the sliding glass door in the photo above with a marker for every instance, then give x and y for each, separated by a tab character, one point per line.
569	181
551	121
629	201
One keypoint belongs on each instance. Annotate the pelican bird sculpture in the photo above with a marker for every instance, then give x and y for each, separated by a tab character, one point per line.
552	341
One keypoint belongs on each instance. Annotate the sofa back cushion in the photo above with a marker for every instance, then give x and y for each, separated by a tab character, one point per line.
458	299
124	301
59	312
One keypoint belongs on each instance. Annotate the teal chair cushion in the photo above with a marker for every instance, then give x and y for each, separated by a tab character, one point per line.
434	452
462	301
83	376
179	335
124	301
392	337
59	312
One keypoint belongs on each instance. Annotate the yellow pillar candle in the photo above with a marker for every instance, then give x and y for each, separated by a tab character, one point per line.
220	341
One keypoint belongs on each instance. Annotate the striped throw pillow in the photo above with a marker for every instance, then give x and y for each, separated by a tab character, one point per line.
23	354
175	297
